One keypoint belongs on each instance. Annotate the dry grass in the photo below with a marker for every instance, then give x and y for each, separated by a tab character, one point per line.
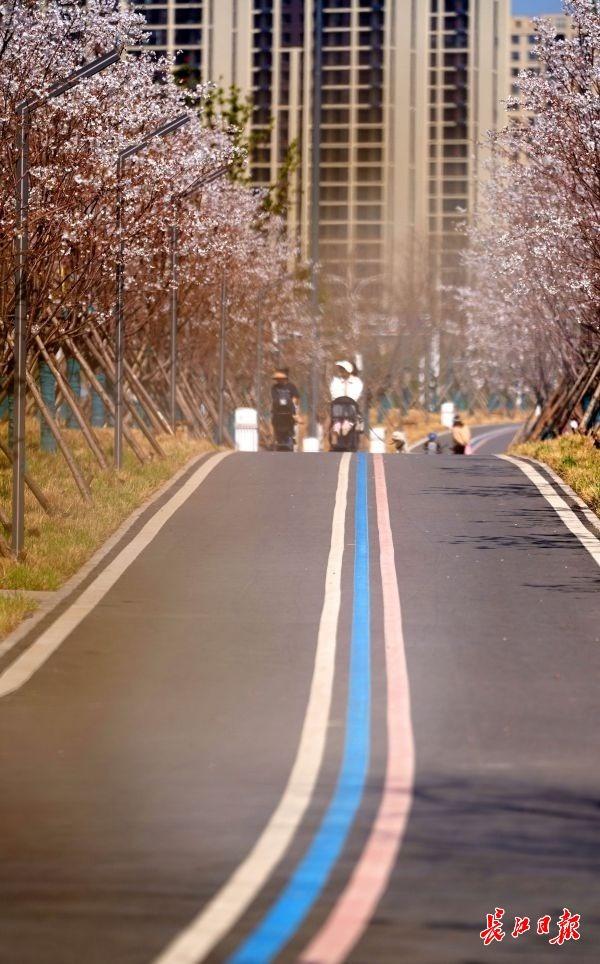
575	459
57	546
13	609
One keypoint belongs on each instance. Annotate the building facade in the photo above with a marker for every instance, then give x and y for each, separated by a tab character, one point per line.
447	78
409	88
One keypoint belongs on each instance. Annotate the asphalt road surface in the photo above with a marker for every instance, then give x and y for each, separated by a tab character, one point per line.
337	708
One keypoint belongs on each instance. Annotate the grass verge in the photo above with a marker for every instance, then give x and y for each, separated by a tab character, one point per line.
13	609
575	459
57	546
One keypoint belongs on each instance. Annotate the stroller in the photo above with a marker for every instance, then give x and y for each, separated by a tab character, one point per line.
344	429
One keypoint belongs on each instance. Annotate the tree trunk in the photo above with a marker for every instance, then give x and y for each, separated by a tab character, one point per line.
31	485
155	416
88	433
594	401
5	549
74	468
138	451
104	360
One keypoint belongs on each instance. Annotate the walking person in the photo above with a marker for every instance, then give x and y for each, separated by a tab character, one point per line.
285	399
461	437
346	383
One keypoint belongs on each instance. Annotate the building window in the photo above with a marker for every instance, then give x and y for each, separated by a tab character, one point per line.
332	20
334	231
366	194
368	174
335	155
372	231
156	16
372	154
188	15
368	252
330	116
337	95
334	193
333	212
186	38
333	175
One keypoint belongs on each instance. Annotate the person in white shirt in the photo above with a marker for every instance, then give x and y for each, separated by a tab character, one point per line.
345	383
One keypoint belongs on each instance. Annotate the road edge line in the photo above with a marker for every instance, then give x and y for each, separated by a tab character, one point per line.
564	511
588	512
478	441
50	639
356	905
73	582
192	944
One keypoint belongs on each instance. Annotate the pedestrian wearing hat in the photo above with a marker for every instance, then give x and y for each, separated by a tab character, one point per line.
285	399
461	437
345	383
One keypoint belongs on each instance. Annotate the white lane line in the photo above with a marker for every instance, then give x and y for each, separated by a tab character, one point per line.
591	517
226	907
56	598
562	509
480	440
49	641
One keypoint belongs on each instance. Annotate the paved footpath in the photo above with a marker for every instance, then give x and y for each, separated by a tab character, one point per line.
337	708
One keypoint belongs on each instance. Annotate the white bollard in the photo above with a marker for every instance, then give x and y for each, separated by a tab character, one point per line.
310	444
377	440
246	430
447	414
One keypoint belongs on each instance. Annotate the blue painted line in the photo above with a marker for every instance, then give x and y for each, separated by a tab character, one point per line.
310	877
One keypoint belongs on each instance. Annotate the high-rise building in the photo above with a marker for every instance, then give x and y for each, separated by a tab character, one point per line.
447	70
409	88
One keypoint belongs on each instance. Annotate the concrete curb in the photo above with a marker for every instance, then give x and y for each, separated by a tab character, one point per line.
590	515
54	599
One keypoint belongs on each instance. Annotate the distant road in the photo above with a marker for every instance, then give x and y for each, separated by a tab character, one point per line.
487	439
337	708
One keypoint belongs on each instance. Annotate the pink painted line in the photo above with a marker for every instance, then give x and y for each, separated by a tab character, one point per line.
358	902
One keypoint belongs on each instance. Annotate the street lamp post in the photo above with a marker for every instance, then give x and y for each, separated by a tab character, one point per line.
315	185
259	360
189	192
174	312
168	128
276	282
352	296
222	350
25	110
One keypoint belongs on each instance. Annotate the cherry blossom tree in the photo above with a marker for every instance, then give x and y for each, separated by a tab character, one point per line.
74	144
533	303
